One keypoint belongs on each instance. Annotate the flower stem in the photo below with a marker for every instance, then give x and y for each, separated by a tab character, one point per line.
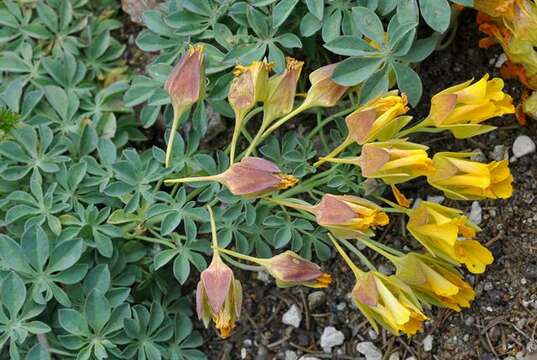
257	137
373	246
213	230
290	204
324	122
395	206
357	272
358	253
346	143
241	256
177	113
240	265
192	179
283	120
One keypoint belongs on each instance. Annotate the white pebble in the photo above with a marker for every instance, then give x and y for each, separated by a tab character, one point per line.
476	213
292	317
369	350
331	337
290	355
244	353
523	145
394	356
501	60
436	199
263	277
428	343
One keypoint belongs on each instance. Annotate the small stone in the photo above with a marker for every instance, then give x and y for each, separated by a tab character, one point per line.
428	343
263	277
316	299
501	60
478	156
290	355
331	337
394	356
469	321
247	342
488	286
476	213
410	358
523	145
369	350
305	357
438	199
385	269
523	281
341	306
292	317
372	334
244	353
500	153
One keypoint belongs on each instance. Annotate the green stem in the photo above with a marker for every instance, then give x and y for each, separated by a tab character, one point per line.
213	230
241	256
154	241
326	121
177	113
290	204
257	138
341	147
192	179
395	206
419	127
373	246
358	253
234	138
242	266
357	272
283	120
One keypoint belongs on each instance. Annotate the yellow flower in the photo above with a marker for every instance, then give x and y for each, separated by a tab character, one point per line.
324	91
394	161
462	108
281	91
219	297
379	119
346	215
434	282
445	232
388	301
462	179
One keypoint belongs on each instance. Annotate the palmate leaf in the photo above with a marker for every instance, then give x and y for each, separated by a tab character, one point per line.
43	267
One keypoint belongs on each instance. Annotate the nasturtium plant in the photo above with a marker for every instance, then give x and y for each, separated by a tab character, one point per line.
128	174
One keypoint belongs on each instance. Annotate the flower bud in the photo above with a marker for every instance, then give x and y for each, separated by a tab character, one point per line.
248	87
186	82
254	176
394	161
219	297
346	215
378	119
281	90
463	179
324	91
289	269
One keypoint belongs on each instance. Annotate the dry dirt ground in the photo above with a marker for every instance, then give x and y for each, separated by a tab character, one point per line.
502	322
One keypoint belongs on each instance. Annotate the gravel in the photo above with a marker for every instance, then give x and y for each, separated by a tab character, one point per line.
369	350
428	343
331	337
522	146
316	299
293	316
